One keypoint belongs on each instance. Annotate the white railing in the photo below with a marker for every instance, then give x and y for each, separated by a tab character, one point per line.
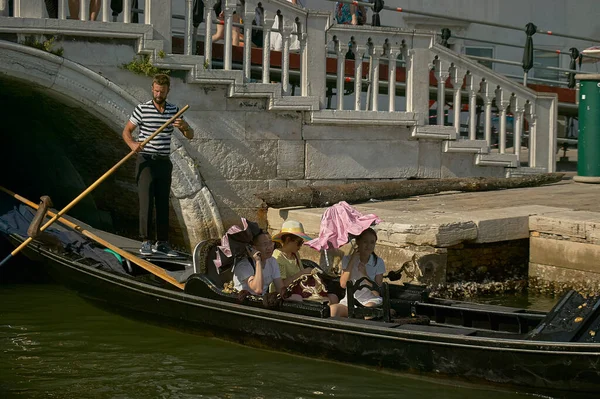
318	38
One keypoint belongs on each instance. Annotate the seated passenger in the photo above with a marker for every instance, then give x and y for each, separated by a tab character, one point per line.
291	237
257	273
361	262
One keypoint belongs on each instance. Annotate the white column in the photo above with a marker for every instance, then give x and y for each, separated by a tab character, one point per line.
127	11
359	53
268	23
84	10
441	74
249	15
375	56
392	57
487	97
208	15
303	76
517	107
285	28
502	102
340	50
472	85
189	28
148	11
228	15
457	77
105	10
62	9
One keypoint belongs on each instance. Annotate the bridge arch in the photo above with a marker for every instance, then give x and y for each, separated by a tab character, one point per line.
62	123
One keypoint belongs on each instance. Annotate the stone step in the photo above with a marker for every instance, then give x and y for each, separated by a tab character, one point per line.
505	160
524	171
467	146
290	103
434	132
432	227
348	117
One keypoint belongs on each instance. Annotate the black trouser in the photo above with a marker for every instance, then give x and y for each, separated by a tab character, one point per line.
153	176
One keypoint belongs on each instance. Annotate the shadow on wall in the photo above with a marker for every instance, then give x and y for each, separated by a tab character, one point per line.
59	151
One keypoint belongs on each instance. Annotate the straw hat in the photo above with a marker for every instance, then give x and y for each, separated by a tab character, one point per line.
291	227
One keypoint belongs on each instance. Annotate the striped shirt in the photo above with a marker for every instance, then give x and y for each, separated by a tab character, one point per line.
149	119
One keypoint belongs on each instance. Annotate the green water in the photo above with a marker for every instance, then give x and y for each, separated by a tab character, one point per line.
53	344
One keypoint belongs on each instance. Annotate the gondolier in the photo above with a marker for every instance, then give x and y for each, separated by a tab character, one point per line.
153	169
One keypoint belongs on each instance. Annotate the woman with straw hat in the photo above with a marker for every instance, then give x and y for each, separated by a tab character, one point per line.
291	238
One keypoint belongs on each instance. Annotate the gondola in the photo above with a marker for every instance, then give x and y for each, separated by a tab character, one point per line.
543	352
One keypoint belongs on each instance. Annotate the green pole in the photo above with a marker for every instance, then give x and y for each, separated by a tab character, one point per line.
588	146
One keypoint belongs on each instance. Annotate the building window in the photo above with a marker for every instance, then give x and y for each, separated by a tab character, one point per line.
545	59
487	52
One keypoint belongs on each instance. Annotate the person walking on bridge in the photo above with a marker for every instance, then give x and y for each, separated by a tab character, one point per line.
154	167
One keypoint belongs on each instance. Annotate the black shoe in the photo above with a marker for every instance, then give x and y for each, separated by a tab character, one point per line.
163	247
146	248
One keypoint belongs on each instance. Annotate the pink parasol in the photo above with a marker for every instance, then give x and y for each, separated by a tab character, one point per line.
234	243
339	223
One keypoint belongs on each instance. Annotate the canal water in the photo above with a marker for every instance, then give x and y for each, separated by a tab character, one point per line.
54	344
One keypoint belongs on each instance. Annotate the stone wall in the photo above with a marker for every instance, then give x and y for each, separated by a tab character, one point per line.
565	248
494	261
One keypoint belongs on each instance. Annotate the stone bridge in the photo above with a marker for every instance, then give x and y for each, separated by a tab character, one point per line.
261	117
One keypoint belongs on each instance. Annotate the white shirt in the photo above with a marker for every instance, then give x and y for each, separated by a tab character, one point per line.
373	267
244	270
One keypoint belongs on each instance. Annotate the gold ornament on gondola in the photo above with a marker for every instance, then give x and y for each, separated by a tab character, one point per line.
314	290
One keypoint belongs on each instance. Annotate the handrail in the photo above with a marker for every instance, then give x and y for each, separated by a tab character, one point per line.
468	20
559	52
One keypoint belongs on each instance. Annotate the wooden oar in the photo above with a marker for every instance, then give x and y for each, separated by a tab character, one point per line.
152	268
94	185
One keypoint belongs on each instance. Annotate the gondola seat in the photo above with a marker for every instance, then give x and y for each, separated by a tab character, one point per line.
357	310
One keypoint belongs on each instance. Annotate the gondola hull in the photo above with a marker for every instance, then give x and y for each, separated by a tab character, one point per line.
450	352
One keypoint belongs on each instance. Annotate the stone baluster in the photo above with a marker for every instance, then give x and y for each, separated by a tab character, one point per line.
286	32
441	74
84	10
340	49
302	36
359	54
228	29
392	53
531	117
417	84
62	9
105	10
502	102
457	77
517	106
189	28
375	54
249	15
488	97
161	9
472	85
127	11
208	16
268	21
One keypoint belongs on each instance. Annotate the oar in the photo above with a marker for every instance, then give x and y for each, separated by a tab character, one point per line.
152	268
94	185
